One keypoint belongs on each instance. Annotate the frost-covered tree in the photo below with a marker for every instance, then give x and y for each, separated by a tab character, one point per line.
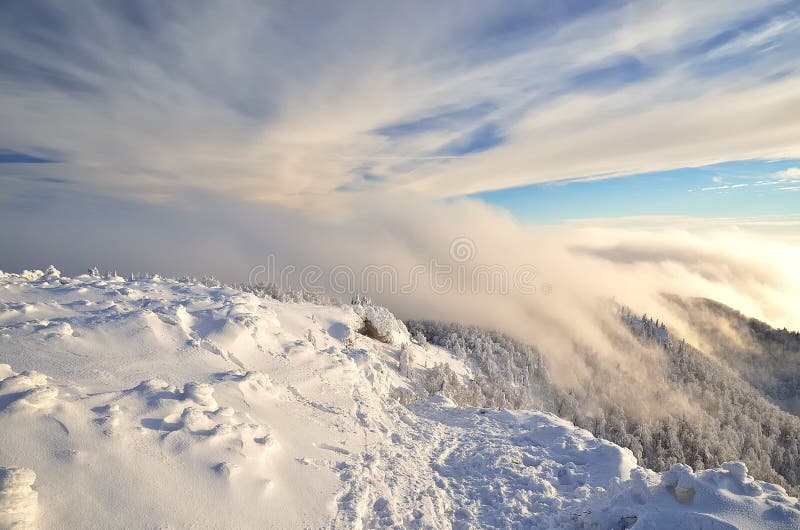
406	361
420	339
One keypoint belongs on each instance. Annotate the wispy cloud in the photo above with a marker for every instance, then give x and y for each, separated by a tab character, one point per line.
725	187
282	104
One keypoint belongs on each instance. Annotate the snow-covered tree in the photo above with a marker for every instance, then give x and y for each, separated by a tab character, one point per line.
406	361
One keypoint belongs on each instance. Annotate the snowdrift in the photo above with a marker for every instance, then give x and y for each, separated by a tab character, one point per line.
154	403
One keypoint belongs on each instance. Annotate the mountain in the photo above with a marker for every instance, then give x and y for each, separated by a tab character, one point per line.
767	358
157	403
665	400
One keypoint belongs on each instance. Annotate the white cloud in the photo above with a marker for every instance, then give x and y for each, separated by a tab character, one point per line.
271	104
792	172
582	264
725	187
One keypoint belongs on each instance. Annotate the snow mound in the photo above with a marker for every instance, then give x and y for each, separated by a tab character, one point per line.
726	498
17	499
28	391
170	405
188	421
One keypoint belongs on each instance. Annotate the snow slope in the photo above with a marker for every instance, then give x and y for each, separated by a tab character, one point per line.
159	404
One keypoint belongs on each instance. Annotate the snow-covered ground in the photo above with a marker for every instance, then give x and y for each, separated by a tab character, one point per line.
159	404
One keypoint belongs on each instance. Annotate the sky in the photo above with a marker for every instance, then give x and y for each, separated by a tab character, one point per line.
739	190
199	137
288	102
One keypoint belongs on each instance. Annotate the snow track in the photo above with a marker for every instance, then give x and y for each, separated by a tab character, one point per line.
473	468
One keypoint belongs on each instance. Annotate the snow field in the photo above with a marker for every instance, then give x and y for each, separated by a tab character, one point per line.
159	404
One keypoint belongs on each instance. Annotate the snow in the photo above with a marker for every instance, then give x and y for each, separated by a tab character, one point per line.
388	329
17	498
159	404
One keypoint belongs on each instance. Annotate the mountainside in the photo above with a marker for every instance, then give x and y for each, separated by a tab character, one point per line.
154	403
670	404
766	357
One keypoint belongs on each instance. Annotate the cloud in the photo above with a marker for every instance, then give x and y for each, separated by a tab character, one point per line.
725	187
582	265
278	104
792	172
575	270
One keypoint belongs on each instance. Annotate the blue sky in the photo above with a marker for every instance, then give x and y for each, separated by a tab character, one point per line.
746	189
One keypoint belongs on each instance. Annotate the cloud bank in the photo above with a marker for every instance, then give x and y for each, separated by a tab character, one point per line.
576	268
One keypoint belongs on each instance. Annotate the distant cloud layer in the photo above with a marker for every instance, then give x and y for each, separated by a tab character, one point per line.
298	102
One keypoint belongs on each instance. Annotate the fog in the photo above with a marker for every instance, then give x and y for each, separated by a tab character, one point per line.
545	283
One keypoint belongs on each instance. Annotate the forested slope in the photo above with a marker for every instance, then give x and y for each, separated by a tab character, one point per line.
723	417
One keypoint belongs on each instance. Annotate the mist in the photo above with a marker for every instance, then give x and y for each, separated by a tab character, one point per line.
551	285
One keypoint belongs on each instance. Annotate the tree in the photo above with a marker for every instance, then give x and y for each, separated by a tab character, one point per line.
406	362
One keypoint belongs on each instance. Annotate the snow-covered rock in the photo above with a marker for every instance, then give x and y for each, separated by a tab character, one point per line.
154	403
379	322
